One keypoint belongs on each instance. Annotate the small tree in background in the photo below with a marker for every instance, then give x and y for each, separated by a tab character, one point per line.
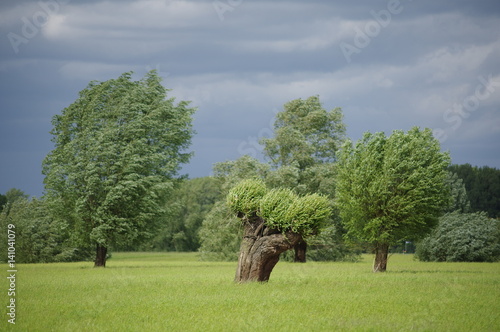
391	188
462	237
273	221
39	237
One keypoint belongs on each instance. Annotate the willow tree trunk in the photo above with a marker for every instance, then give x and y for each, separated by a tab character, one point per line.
260	250
100	256
381	254
300	252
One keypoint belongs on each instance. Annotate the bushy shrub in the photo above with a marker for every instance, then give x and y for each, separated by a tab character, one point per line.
467	237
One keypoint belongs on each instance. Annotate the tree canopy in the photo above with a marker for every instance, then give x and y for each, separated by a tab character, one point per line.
305	134
391	188
117	149
303	149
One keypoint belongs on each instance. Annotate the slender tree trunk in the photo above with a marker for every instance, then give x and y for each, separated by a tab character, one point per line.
300	252
260	250
381	254
100	256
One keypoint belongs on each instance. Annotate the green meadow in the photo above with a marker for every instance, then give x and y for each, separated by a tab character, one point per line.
177	292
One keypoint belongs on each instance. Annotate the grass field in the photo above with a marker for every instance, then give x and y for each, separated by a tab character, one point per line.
176	292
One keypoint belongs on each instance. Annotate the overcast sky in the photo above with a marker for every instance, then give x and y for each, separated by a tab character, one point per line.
388	64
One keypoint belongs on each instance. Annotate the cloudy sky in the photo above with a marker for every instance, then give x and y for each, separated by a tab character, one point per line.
388	64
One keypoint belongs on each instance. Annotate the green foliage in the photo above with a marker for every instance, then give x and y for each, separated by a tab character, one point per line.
330	246
220	234
305	134
39	238
391	188
11	196
245	197
458	194
188	206
232	172
467	237
275	206
483	187
308	214
281	208
118	148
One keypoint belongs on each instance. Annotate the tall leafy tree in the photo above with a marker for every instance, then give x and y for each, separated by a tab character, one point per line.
391	188
306	140
118	148
303	150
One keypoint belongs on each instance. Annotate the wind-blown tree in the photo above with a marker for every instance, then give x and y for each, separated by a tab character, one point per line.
303	150
273	221
117	151
391	188
306	140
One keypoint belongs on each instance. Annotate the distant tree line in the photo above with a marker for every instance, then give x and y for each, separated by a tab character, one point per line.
483	187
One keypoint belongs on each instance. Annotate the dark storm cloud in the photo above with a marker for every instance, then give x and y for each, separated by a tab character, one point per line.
414	63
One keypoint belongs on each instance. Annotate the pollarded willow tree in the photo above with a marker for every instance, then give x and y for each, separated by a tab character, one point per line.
274	221
391	188
117	152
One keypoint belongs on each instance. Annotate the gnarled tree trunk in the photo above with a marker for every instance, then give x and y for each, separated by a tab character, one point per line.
300	252
100	256
260	250
381	253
